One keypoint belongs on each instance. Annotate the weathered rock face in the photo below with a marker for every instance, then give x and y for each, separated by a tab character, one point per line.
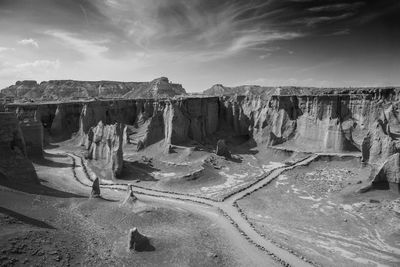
104	142
318	123
191	119
32	132
14	164
389	172
381	140
305	119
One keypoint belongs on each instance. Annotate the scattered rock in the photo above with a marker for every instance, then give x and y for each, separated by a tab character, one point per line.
130	198
96	188
222	149
138	242
140	145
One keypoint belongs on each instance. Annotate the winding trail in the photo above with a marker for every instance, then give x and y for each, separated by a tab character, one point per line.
227	207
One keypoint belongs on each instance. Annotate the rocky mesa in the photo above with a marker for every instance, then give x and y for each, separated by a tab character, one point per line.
62	90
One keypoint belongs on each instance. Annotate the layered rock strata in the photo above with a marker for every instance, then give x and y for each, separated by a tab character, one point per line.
334	121
104	142
317	123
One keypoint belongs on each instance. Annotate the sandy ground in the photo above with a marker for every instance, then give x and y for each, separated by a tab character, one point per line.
55	224
311	209
314	210
196	171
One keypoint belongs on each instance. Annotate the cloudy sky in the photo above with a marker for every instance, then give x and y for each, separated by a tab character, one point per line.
202	42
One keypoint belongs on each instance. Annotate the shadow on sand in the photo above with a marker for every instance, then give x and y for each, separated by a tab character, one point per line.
49	163
49	155
138	171
25	219
38	189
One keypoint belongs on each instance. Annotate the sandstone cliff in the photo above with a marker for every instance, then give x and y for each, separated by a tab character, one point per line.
104	143
334	120
315	123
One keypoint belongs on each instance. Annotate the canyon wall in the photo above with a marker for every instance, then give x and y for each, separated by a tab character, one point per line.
333	121
314	123
32	132
15	167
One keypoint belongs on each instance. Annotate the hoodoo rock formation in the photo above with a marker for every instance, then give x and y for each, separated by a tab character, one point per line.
104	142
95	188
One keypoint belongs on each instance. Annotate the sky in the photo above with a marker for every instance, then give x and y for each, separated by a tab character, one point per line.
198	43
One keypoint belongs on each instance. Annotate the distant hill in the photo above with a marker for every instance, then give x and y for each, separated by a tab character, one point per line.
70	89
220	90
263	91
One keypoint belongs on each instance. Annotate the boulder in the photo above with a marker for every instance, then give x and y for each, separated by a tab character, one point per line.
130	198
138	242
222	149
96	188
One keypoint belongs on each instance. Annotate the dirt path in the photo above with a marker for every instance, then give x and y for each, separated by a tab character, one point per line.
241	229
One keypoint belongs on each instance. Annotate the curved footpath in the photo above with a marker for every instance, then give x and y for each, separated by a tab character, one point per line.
228	208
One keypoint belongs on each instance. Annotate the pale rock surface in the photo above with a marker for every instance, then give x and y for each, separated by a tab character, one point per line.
105	143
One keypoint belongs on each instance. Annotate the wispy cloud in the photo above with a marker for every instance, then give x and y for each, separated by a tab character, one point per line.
251	41
312	21
42	65
30	42
202	30
4	49
28	70
336	7
87	48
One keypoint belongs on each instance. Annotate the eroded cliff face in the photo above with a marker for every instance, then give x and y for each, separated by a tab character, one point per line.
316	123
360	120
15	167
104	143
191	119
